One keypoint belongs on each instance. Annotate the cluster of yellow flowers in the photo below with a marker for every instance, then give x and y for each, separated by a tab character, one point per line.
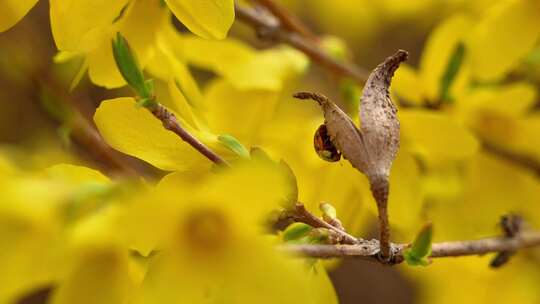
198	235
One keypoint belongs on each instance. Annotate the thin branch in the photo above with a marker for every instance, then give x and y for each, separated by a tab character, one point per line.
82	132
288	20
171	123
368	250
271	29
302	215
521	160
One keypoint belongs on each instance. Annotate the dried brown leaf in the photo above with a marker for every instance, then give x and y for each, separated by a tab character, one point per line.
343	133
373	148
379	123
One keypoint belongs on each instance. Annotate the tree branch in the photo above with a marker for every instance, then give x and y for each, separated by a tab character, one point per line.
521	160
288	21
82	132
368	249
270	28
302	215
171	123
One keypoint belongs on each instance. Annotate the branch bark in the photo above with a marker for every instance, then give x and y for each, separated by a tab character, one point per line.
270	28
368	250
82	132
302	215
170	123
287	20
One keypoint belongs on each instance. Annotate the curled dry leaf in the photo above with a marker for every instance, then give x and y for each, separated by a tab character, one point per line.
372	148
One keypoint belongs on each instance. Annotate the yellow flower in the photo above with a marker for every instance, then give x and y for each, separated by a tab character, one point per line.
35	210
476	282
250	99
96	264
86	27
206	232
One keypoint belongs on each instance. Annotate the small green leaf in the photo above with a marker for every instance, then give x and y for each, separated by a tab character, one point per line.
234	145
296	231
452	69
420	249
328	210
129	67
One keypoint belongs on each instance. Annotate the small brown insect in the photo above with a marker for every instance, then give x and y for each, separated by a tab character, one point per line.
324	146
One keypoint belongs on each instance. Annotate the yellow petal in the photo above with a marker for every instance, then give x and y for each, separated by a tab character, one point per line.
250	272
78	25
75	174
11	11
238	113
320	281
100	274
242	66
102	68
435	136
507	32
438	51
513	100
166	65
405	201
407	85
135	131
206	18
514	134
269	182
486	195
140	25
29	226
182	105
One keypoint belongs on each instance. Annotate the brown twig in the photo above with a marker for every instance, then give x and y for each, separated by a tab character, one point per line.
81	131
302	215
171	123
272	29
380	194
521	160
287	20
366	250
